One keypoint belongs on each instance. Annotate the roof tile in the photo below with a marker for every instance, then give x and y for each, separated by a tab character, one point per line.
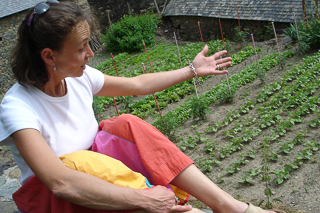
9	7
264	10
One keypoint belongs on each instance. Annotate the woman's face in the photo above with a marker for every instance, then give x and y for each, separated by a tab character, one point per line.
75	53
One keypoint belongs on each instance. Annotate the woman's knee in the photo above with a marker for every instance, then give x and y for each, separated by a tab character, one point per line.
128	118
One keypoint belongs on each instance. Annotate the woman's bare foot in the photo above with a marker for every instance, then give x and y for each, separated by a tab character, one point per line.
254	209
240	207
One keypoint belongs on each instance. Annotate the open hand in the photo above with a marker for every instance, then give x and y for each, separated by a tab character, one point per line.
209	65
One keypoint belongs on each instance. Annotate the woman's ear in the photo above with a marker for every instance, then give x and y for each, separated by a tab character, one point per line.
47	56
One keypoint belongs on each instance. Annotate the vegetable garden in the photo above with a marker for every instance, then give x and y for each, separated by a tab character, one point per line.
262	135
254	132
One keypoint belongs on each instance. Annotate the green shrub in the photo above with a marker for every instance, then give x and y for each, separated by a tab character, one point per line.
199	108
309	32
240	37
127	34
292	32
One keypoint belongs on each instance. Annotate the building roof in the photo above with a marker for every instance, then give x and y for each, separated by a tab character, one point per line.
9	7
259	10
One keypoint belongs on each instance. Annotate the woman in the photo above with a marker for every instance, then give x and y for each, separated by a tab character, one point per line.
48	113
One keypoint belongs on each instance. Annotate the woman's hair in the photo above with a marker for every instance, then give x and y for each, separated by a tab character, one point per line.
47	30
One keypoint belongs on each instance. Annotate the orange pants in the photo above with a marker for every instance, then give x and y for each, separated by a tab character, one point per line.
162	162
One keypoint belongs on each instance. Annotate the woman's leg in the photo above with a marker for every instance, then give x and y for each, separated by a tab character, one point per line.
194	182
162	159
167	164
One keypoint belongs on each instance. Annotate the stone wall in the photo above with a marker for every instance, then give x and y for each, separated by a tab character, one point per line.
186	28
117	9
8	32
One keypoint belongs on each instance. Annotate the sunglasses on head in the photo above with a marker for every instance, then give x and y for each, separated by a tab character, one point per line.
40	9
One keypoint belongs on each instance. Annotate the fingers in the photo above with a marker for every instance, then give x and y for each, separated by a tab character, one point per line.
204	50
223	60
179	208
218	72
219	54
222	65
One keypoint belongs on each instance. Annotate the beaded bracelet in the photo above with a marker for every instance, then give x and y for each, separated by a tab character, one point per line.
194	72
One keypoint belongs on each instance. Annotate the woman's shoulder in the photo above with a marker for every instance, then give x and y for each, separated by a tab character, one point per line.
18	94
92	79
17	111
19	101
91	72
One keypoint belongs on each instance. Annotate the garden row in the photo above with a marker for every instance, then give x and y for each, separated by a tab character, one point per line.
165	58
273	112
219	93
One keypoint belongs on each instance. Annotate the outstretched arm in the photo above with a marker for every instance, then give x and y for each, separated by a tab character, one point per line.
73	185
154	82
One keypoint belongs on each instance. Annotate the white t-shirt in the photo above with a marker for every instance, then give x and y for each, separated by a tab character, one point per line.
66	123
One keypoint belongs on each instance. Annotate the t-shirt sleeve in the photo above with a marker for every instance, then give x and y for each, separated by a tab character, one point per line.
15	115
96	79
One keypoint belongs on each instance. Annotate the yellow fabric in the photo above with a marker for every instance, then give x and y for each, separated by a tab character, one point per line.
182	195
111	170
104	167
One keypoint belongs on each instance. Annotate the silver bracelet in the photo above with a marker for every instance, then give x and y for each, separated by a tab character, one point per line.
194	72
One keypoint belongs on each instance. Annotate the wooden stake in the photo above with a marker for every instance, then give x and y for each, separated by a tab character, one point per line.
175	38
114	64
195	86
115	104
238	19
317	8
147	54
221	31
295	21
200	33
109	20
129	9
155	3
155	99
239	24
164	6
254	46
275	34
304	11
226	76
194	83
114	101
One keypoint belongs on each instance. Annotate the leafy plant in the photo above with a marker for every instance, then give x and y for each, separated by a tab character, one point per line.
266	170
246	179
240	37
210	147
214	128
292	32
206	166
220	179
98	107
199	108
280	176
266	33
127	34
308	33
251	153
254	172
